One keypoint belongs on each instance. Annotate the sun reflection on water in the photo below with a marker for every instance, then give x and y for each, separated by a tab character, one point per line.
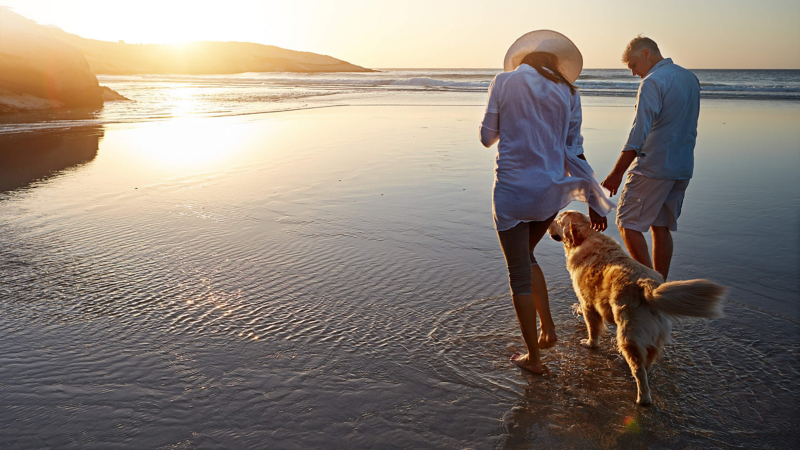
184	100
183	142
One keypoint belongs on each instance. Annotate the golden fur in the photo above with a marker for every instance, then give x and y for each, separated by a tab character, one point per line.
612	286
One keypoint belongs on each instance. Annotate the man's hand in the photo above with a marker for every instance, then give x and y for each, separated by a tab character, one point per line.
599	223
612	182
614	179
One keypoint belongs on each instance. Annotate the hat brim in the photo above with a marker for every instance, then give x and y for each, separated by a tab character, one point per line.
570	60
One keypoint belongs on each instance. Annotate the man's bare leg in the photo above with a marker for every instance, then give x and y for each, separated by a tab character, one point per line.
662	250
525	308
548	337
637	246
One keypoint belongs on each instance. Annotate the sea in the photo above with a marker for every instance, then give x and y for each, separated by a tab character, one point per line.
160	97
295	261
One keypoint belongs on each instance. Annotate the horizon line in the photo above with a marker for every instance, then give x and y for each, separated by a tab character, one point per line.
585	68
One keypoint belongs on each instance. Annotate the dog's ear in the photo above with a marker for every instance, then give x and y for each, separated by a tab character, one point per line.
573	235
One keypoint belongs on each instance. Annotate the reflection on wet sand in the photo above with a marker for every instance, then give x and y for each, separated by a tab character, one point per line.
29	157
331	279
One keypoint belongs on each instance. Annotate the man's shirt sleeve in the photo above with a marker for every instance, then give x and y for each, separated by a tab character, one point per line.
648	105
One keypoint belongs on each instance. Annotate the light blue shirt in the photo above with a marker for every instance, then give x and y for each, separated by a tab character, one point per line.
665	128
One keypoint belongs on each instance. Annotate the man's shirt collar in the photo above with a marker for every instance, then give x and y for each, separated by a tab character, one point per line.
661	63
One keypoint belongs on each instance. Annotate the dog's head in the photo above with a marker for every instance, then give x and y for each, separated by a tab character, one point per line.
571	228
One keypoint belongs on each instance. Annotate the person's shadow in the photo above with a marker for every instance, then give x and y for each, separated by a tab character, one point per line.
29	157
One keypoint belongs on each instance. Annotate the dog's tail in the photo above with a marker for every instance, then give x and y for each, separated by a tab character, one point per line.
693	298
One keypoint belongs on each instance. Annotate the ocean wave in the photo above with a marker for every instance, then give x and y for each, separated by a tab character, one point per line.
425	81
631	86
326	80
748	89
270	88
733	82
473	84
612	76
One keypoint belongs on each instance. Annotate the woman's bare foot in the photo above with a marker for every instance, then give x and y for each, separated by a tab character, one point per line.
524	362
547	339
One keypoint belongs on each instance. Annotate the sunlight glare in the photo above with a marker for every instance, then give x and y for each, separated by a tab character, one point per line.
184	143
182	99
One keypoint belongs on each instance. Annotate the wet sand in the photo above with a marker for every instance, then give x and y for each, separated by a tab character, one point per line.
331	278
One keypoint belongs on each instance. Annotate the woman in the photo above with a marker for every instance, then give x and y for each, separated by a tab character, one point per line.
534	111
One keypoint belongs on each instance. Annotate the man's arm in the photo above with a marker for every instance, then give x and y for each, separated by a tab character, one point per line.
614	179
648	105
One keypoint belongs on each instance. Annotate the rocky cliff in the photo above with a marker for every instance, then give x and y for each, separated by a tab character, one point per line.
33	63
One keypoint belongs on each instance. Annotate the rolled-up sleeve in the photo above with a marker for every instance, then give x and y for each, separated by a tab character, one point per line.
489	129
648	105
574	137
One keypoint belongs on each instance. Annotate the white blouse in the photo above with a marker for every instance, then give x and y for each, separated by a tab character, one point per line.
537	169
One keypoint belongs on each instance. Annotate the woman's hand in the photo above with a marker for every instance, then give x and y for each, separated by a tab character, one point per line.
599	223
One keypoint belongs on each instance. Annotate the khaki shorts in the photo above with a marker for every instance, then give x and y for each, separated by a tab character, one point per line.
648	202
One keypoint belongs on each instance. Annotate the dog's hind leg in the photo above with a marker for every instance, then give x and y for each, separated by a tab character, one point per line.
636	358
652	354
594	325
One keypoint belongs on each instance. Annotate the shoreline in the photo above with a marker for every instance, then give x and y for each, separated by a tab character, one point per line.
49	121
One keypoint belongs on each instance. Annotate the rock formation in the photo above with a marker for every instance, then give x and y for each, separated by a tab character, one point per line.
110	95
34	63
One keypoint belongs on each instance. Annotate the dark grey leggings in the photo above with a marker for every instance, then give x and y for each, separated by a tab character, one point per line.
518	244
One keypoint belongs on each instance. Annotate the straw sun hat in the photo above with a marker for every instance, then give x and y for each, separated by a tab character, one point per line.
570	61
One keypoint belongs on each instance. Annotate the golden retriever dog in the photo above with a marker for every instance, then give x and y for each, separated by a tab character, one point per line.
612	286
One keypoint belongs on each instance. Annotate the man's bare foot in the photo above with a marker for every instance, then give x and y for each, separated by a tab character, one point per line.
525	363
547	340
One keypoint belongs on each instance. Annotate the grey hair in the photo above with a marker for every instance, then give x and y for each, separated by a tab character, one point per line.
637	44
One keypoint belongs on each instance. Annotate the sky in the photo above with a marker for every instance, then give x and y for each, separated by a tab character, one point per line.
697	34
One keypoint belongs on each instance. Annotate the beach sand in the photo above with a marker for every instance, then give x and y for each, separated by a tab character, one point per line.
331	278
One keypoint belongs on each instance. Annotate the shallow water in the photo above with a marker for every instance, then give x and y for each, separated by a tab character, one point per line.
330	278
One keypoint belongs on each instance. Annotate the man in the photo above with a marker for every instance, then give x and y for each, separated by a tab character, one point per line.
659	153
